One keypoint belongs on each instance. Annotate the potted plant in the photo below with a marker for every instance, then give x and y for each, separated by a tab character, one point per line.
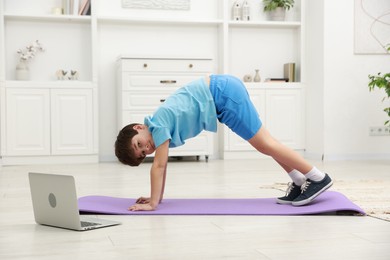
277	8
381	81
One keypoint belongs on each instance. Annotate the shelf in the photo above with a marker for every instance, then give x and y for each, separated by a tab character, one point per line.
157	21
274	85
69	84
50	18
265	24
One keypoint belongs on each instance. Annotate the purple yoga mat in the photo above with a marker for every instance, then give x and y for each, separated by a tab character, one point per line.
327	202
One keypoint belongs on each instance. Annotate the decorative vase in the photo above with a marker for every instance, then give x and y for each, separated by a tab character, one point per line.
236	11
22	71
247	78
279	14
257	77
246	12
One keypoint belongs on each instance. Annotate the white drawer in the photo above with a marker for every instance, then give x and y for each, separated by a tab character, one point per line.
141	101
167	65
130	81
129	117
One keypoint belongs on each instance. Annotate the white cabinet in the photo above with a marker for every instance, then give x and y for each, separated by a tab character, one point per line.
281	111
27	121
43	124
71	121
43	119
144	83
284	116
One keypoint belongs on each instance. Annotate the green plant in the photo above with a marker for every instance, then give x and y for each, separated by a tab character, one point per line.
381	81
270	5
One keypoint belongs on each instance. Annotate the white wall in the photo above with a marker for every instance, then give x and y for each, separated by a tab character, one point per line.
347	108
315	79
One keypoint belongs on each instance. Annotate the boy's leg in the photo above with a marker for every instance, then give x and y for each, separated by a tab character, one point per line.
235	109
286	157
317	182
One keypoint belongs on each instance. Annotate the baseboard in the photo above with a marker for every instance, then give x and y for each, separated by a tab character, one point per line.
63	159
356	157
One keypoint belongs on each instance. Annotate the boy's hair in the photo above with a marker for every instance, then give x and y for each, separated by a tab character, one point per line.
123	148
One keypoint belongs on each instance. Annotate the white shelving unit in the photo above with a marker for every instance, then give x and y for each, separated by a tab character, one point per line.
45	120
91	44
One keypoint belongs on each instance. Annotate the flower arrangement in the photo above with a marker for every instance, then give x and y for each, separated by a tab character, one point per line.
30	51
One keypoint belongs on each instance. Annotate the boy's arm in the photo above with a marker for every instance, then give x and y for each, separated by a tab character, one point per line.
157	178
163	185
157	174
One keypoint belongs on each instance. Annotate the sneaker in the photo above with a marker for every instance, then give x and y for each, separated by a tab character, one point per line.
293	191
311	189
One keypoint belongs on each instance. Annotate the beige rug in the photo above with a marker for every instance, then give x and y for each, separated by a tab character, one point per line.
372	196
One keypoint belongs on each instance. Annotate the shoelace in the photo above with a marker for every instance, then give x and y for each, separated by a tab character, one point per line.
289	188
305	185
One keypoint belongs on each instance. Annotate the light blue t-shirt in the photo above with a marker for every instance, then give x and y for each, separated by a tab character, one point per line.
183	115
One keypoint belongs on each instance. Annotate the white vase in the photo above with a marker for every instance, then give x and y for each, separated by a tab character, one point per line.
22	71
279	14
257	76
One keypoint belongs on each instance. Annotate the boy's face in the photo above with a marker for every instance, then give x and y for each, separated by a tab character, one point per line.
142	142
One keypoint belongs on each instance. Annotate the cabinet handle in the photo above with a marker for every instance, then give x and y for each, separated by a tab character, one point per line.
145	65
167	81
191	66
162	100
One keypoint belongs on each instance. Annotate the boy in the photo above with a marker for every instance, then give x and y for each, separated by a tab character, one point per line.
196	107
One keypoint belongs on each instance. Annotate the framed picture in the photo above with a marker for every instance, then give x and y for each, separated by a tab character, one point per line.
372	26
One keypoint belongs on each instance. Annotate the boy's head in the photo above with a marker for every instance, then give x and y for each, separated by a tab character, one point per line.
133	143
123	148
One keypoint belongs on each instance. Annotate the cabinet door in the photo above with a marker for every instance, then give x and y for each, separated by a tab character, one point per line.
284	116
72	121
27	122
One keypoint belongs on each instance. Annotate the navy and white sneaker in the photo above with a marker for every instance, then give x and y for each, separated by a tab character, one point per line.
293	191
311	189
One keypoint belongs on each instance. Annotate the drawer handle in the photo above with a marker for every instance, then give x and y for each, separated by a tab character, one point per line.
191	66
162	100
167	81
145	65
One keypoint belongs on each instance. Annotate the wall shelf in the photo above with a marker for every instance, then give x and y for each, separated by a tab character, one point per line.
264	24
151	21
274	85
48	18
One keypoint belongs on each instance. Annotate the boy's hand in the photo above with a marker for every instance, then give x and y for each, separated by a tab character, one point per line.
138	207
143	200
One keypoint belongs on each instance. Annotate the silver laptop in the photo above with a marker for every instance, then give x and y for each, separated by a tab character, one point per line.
55	204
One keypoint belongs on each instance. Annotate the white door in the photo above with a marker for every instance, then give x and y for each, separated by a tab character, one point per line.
284	116
72	121
27	122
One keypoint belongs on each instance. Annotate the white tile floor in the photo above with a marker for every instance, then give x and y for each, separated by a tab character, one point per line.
191	237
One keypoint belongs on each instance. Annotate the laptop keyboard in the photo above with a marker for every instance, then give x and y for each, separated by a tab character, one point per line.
88	224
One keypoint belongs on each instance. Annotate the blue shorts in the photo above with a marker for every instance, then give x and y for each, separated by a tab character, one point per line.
233	105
